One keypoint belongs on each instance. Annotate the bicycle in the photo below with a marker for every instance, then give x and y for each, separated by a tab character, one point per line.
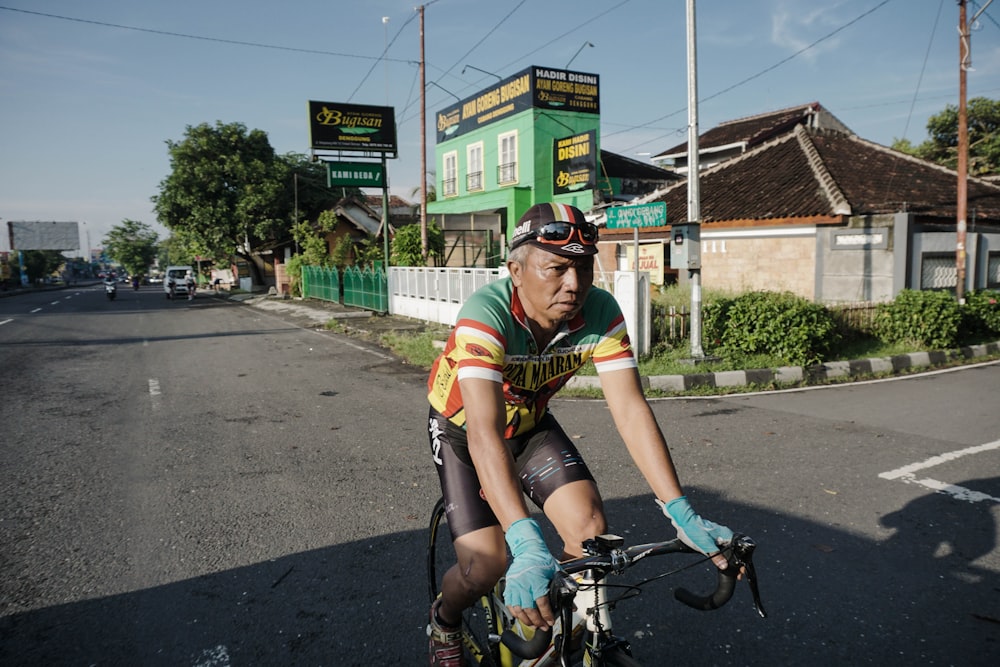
582	600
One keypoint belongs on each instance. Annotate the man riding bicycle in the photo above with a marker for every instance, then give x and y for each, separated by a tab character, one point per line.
516	343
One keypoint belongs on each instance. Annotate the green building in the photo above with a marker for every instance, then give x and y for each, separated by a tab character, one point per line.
532	137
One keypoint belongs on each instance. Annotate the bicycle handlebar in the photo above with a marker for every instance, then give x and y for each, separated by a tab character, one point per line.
605	556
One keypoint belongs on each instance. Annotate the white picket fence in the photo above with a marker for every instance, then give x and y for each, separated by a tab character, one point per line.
433	294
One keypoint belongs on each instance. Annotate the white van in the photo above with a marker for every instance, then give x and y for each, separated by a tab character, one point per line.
176	275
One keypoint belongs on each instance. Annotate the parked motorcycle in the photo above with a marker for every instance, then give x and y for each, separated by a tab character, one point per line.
110	289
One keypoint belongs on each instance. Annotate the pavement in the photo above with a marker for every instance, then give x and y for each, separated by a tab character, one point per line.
358	322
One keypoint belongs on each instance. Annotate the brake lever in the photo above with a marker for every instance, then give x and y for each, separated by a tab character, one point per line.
742	559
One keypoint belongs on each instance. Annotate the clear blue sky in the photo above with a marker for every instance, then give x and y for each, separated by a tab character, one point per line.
90	91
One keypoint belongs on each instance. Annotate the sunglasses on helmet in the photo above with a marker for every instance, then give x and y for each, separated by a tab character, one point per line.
557	233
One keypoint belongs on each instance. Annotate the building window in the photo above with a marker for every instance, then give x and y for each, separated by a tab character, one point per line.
507	151
474	164
449	176
938	271
993	270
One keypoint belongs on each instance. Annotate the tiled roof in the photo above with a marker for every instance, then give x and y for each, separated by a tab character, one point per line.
753	130
809	174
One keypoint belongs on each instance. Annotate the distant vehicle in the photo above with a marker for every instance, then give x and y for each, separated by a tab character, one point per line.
156	280
174	280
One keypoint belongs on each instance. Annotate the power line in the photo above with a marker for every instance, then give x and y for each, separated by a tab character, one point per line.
202	38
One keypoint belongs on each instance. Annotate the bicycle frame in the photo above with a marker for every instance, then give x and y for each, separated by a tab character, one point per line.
579	596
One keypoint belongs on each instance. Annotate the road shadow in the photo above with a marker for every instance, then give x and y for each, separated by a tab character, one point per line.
833	598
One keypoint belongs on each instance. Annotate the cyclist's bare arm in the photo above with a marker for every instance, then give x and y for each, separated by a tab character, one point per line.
485	422
642	435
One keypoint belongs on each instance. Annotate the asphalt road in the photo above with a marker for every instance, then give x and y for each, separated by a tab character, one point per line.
203	483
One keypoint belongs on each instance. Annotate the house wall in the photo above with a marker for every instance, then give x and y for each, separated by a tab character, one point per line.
856	262
777	260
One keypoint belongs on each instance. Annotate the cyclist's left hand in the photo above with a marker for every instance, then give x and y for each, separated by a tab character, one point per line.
699	534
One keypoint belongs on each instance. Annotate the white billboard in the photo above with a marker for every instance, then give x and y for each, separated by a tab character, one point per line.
43	235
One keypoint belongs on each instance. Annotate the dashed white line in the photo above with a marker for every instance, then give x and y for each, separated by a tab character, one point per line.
906	474
35	310
6	321
54	303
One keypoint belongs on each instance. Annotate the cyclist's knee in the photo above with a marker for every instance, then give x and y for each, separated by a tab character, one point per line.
480	572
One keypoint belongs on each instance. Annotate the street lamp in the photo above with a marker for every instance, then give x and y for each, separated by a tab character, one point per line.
499	78
432	83
582	47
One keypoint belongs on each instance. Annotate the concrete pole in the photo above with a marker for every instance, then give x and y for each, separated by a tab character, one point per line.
694	191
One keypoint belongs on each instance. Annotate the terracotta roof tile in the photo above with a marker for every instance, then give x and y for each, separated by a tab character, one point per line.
821	173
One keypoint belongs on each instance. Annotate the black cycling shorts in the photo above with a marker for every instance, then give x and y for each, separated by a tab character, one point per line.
545	459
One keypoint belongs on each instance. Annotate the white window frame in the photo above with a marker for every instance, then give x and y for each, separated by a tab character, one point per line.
507	158
449	174
475	174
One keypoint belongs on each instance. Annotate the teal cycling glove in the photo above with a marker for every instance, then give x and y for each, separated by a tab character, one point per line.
697	533
533	567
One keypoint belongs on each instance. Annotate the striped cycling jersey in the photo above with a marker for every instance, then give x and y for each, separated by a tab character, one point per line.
492	340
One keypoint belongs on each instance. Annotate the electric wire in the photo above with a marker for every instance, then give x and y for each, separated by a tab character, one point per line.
220	40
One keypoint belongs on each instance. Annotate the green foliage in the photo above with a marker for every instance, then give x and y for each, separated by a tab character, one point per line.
983	116
981	314
773	323
227	190
341	255
132	244
313	249
407	249
39	264
923	318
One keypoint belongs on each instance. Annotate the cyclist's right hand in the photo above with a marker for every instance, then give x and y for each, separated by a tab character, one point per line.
529	574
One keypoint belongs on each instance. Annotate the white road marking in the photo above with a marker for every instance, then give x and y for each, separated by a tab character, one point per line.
35	310
54	303
217	656
906	474
154	387
6	321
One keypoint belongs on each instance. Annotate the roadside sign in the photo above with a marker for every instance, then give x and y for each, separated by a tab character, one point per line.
637	215
360	174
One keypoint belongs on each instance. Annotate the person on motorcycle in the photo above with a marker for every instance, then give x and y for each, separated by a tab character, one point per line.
190	284
135	281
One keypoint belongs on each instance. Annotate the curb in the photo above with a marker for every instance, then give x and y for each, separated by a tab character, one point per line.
810	375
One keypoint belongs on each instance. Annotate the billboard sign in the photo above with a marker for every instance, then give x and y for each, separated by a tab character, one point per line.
352	127
534	87
574	163
43	235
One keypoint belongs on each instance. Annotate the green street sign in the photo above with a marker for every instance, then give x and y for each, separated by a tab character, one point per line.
637	215
360	174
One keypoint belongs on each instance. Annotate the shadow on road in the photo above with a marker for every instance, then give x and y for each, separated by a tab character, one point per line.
922	596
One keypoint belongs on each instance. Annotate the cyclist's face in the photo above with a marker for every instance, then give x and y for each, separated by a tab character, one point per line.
552	288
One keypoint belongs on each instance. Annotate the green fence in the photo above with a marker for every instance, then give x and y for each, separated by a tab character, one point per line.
321	283
357	287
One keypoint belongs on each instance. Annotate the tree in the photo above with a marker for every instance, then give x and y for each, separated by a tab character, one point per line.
407	248
311	240
983	116
132	244
39	264
227	190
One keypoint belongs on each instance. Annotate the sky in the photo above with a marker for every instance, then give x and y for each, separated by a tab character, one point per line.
91	90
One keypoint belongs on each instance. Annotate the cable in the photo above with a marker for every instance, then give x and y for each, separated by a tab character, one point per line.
199	37
760	73
381	58
913	103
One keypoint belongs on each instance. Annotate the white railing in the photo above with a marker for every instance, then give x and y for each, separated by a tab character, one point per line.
432	294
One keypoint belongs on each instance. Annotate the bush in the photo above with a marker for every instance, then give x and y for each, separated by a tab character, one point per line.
922	318
772	323
981	314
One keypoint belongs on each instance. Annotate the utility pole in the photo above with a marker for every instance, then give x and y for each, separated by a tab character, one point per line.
964	57
423	144
694	185
962	205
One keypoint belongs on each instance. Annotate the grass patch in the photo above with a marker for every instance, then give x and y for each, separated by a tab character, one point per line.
416	349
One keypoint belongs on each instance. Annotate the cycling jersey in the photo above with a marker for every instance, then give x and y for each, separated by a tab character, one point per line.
492	340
